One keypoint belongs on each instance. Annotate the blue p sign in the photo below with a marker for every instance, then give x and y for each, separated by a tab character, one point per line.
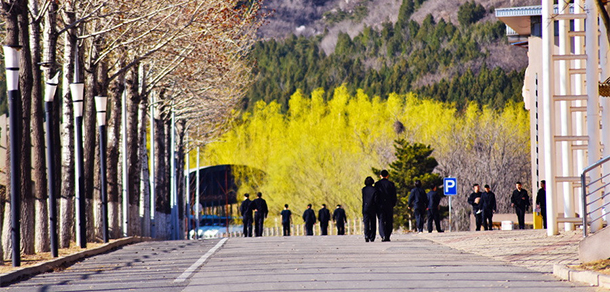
450	186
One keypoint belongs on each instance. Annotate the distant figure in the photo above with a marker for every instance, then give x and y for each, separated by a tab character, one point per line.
434	213
324	217
259	206
477	207
310	219
386	194
489	206
418	202
521	201
369	209
246	213
340	219
541	201
286	218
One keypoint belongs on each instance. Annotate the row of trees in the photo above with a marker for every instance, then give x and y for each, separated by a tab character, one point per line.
186	58
401	57
320	151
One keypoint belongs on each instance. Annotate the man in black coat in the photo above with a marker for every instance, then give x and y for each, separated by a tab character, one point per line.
489	206
259	206
286	218
246	213
521	201
310	219
340	219
434	213
369	209
324	217
477	208
541	201
386	194
418	202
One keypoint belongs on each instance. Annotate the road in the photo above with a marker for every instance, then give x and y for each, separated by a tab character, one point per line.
332	263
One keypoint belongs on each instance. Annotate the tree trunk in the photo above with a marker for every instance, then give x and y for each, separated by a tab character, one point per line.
25	85
90	137
181	130
102	73
114	127
133	165
162	206
66	226
143	157
39	175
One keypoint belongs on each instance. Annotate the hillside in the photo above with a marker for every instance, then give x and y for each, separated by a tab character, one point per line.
457	53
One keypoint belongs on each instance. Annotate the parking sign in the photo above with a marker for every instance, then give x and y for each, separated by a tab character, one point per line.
450	186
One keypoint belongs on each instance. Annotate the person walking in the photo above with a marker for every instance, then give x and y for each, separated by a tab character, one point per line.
259	206
489	206
541	201
520	200
418	202
324	217
246	212
340	219
386	194
310	219
286	218
475	200
369	209
434	213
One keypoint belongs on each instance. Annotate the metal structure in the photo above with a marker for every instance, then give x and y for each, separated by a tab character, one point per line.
594	201
100	104
77	89
49	96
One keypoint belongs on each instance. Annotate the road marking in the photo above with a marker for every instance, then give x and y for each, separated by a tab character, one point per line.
199	262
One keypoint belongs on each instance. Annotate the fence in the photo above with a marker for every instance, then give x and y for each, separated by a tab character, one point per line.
595	201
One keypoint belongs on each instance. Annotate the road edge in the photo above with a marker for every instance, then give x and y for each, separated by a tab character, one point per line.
588	277
27	272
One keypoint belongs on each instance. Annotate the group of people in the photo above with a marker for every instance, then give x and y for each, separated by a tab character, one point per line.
324	217
378	201
423	204
257	206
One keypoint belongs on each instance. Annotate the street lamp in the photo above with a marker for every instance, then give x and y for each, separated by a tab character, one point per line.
48	109
77	90
11	63
100	104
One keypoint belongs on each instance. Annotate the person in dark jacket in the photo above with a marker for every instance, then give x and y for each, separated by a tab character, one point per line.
340	219
418	202
246	212
489	207
386	194
309	216
520	200
541	201
369	209
324	217
259	206
434	213
475	200
286	218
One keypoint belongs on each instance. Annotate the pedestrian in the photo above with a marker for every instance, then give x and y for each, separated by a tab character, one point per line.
418	202
386	194
324	217
369	209
340	219
521	201
488	202
434	207
541	201
475	201
246	212
310	219
259	206
286	218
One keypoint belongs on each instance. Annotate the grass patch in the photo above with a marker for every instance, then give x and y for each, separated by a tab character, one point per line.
601	266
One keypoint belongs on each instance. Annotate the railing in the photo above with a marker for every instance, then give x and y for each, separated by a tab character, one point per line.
595	213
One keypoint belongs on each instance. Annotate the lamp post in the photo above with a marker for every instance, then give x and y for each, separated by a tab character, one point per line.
11	63
100	104
77	89
49	95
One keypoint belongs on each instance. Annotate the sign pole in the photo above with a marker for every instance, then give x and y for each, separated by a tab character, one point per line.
450	221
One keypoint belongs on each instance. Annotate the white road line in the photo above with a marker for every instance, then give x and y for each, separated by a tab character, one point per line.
199	262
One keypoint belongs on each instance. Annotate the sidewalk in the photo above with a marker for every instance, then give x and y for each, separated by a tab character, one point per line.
531	249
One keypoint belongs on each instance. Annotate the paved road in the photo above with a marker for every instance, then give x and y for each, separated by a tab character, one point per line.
333	263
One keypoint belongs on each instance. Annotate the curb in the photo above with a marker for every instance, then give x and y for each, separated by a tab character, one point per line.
26	272
587	277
